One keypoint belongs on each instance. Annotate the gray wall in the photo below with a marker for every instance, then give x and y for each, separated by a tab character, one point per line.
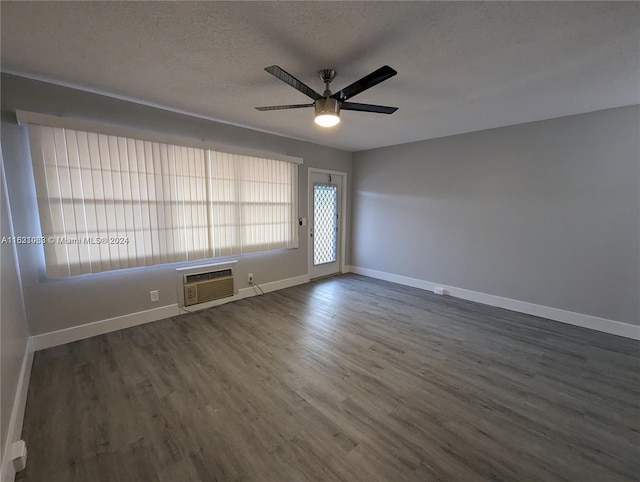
546	212
13	323
56	304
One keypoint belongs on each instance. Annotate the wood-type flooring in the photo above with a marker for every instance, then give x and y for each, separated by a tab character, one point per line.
343	379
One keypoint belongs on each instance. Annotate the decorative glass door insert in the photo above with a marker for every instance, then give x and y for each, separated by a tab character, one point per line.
325	213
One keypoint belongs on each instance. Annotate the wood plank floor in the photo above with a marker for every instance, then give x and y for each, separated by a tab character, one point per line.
342	379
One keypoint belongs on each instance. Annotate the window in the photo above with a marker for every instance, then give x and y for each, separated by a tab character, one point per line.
111	201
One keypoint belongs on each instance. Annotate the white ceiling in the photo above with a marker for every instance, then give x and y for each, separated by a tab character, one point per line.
462	66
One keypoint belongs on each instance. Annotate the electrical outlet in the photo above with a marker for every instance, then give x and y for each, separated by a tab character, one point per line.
250	277
18	454
154	295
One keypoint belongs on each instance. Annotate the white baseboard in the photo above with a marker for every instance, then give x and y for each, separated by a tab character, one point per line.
80	332
619	328
274	286
14	432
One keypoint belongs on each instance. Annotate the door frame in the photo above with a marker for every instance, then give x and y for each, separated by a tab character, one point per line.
343	215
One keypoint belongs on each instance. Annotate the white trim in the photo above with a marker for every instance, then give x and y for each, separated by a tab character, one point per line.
274	286
613	327
14	430
80	332
204	267
14	249
26	117
343	215
17	412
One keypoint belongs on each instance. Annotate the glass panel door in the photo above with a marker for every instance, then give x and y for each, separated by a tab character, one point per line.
325	217
325	223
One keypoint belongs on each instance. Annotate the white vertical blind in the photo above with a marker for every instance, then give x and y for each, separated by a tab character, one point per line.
108	202
252	201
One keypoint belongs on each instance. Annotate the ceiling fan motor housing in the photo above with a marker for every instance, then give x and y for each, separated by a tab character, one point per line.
327	106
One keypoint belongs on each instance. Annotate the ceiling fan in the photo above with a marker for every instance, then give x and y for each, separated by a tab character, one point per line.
328	105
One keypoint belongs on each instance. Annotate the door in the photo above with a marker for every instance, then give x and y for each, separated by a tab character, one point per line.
325	204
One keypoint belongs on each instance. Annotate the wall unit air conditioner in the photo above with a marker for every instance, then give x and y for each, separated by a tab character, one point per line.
208	286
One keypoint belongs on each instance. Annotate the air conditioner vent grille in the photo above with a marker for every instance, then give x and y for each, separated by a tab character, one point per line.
196	277
209	286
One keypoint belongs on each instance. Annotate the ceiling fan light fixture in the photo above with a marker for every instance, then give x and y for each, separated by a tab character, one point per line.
327	120
327	112
328	105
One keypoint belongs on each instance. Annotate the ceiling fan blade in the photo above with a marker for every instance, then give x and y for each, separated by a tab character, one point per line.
366	82
378	109
282	107
292	81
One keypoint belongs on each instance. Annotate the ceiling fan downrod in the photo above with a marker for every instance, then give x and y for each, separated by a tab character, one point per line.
327	109
327	75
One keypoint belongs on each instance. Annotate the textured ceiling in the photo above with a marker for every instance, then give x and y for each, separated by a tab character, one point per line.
462	66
